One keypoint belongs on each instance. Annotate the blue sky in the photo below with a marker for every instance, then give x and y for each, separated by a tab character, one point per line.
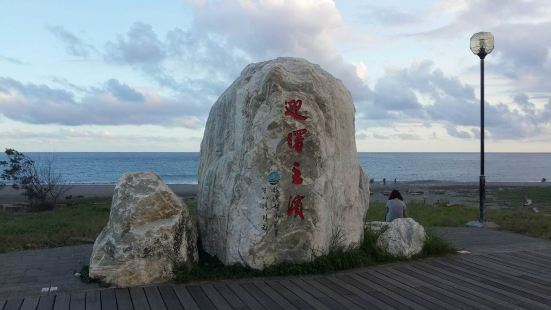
141	76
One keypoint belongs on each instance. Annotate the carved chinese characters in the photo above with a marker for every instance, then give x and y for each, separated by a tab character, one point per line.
295	206
270	204
271	194
295	142
295	138
292	108
297	174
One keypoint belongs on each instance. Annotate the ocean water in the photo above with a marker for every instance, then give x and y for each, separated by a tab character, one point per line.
181	168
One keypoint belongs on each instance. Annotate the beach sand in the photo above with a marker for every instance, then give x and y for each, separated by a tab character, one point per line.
430	192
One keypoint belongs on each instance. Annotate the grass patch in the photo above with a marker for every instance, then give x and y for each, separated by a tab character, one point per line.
523	221
428	215
436	246
338	258
516	197
78	221
517	219
74	223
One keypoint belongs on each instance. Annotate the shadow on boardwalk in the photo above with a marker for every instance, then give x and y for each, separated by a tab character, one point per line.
503	270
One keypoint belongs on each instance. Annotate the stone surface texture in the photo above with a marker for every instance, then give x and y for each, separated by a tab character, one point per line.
376	226
243	218
149	229
403	237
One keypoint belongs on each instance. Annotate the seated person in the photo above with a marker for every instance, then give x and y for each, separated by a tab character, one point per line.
395	206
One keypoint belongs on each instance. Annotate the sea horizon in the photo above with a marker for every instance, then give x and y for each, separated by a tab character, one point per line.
80	168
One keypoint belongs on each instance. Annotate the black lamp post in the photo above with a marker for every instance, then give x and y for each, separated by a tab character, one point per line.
482	44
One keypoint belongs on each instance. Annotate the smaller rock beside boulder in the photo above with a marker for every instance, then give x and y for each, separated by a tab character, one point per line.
149	230
402	237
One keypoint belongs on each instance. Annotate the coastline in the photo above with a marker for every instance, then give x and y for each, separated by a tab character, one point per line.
427	190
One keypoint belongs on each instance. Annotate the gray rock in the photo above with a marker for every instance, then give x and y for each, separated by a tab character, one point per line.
149	230
250	211
403	237
376	226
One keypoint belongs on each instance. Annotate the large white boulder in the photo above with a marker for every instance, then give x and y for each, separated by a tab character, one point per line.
149	230
403	237
278	176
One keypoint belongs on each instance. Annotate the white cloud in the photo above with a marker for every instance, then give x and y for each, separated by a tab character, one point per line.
113	103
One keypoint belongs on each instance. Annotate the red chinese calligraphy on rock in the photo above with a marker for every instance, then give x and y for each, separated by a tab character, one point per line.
295	205
295	138
297	174
292	108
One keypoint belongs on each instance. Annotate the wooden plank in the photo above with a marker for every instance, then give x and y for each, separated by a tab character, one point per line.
473	287
78	301
62	301
200	297
170	298
408	295
337	294
441	291
45	302
292	287
260	296
30	303
518	298
139	301
376	294
493	281
531	255
468	291
379	288
504	276
484	263
369	300
541	266
230	296
284	303
324	295
330	288
93	300
108	299
290	296
540	254
535	280
247	299
513	264
154	298
215	297
390	282
124	301
13	304
185	298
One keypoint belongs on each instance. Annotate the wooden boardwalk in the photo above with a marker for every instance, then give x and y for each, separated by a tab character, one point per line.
511	280
510	277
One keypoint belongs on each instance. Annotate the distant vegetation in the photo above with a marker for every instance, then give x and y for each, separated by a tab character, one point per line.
41	184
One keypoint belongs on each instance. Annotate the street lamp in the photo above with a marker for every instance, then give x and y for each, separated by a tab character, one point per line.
482	44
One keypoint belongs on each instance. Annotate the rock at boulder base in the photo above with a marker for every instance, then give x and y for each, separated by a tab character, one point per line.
149	230
279	178
403	237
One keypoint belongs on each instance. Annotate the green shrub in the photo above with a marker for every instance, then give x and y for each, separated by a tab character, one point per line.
336	259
